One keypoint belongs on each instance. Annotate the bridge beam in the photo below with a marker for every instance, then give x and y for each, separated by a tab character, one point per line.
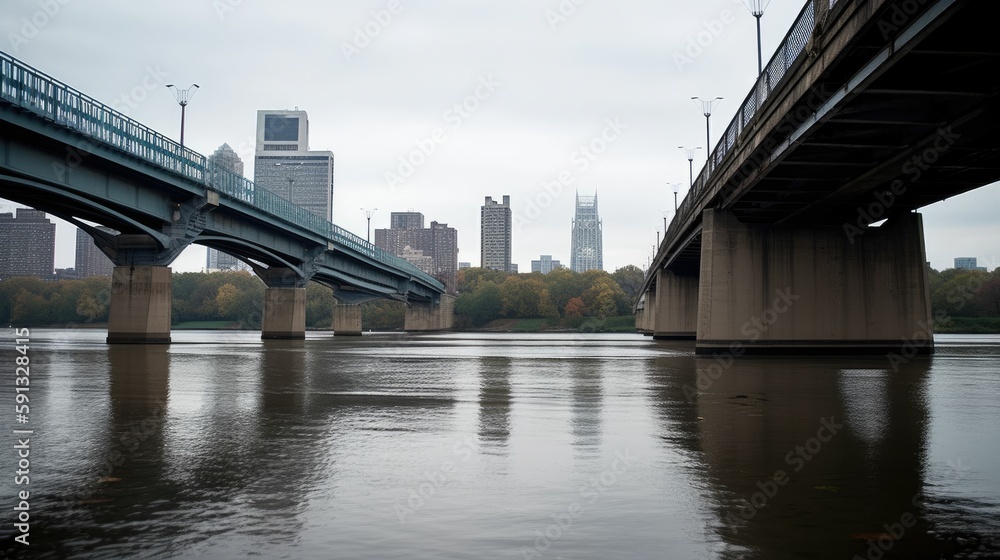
430	316
676	306
140	305
813	290
347	319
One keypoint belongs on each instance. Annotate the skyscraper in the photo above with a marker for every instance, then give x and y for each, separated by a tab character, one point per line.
587	251
90	261
284	165
27	244
496	220
434	250
226	158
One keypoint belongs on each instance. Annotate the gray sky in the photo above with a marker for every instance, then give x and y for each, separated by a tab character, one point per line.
539	80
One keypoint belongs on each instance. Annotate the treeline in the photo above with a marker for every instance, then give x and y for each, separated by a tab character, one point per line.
962	300
222	299
562	297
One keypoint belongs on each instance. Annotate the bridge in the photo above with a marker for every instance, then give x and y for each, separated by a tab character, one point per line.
801	233
74	157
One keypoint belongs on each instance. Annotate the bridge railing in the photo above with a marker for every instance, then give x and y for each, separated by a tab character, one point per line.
785	56
34	91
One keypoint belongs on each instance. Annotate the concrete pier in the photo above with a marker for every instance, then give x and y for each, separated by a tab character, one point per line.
438	316
812	290
676	306
347	319
284	314
140	305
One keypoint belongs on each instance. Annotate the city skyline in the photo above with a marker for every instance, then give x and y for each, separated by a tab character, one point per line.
482	97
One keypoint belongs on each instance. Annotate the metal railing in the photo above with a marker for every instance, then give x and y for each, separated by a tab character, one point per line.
34	91
786	55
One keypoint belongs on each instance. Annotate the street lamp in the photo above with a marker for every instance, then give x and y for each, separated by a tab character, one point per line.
690	156
706	109
183	96
369	212
757	8
676	187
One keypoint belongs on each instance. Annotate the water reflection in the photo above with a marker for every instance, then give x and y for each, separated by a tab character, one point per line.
586	390
494	403
800	452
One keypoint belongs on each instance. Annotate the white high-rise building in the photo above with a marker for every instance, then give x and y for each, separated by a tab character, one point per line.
284	165
587	251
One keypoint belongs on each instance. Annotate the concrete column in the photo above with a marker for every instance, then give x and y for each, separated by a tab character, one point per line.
676	306
140	305
284	314
801	290
437	316
347	319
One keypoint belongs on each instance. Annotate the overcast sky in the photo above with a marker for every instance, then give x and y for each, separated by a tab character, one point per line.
506	93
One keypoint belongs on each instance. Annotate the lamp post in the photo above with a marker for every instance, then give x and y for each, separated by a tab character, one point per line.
676	187
690	157
183	96
665	214
757	8
706	109
369	212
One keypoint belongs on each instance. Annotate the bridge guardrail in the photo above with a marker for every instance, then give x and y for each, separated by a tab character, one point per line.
787	54
31	90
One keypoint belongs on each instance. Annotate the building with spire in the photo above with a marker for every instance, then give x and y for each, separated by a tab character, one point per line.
587	250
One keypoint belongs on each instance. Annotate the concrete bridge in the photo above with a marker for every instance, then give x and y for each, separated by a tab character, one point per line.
76	158
868	111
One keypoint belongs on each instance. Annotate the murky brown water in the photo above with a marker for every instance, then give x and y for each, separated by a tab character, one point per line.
500	446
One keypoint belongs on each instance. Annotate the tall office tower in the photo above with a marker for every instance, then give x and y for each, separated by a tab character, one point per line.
433	250
90	261
587	251
284	165
215	260
545	264
496	220
27	244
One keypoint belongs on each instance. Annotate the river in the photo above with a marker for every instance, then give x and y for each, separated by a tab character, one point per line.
468	445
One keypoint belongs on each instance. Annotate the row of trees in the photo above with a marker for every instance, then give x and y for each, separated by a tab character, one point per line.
236	298
485	295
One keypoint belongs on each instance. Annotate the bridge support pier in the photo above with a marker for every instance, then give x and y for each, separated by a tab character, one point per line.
813	290
284	314
347	319
431	316
676	306
140	305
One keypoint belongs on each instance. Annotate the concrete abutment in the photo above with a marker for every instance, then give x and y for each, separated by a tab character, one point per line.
284	314
140	305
